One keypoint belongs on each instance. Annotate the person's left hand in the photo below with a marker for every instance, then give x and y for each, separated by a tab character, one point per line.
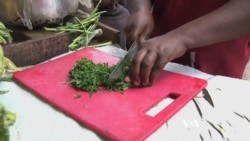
152	56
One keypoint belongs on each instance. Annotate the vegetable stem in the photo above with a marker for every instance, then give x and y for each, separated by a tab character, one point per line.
84	29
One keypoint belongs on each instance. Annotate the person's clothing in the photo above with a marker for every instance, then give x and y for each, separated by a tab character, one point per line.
123	2
227	58
117	18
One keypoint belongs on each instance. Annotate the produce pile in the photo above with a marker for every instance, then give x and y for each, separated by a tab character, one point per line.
5	36
5	63
7	119
88	76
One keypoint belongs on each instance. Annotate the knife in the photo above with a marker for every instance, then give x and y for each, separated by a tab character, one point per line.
128	57
207	97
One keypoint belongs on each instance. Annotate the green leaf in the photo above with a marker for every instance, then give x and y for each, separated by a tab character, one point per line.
88	76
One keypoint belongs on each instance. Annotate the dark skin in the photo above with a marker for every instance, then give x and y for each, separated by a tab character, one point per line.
217	26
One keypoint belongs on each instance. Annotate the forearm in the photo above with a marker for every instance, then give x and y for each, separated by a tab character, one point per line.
227	22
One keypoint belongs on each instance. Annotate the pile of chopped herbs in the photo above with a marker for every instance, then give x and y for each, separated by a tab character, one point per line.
90	77
84	29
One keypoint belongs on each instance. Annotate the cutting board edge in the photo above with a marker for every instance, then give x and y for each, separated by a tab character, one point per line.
100	132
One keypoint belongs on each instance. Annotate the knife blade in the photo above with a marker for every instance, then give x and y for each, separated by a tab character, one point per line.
207	97
128	57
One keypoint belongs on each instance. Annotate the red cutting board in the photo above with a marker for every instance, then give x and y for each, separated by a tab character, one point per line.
116	116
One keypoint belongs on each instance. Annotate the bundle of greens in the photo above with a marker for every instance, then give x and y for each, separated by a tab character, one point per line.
84	29
5	36
88	76
7	119
5	63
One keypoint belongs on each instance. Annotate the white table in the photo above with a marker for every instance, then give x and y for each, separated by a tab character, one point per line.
38	121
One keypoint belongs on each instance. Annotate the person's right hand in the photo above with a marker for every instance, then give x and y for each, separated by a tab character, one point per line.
139	26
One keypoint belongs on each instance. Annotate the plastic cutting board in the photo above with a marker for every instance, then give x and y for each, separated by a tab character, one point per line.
115	116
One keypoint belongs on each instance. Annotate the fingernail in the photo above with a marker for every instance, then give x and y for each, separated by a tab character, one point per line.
150	84
127	79
135	83
144	84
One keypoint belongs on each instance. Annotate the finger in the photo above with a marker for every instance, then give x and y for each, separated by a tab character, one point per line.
132	32
127	79
135	68
148	32
128	32
145	34
146	67
159	65
133	36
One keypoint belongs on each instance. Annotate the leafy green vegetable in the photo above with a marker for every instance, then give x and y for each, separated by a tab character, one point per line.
88	76
7	119
5	36
6	64
3	92
83	28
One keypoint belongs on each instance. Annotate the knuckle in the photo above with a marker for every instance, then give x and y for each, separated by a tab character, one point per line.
146	65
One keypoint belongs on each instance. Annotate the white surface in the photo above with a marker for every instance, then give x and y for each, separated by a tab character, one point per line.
38	121
229	95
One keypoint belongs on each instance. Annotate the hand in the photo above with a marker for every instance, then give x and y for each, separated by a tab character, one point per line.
152	56
140	25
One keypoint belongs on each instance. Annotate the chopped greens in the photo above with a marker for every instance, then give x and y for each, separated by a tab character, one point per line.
88	76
